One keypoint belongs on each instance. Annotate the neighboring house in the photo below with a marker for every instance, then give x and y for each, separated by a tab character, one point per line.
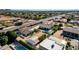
47	24
34	28
30	40
50	45
33	40
74	21
25	30
63	20
71	32
11	28
57	18
58	40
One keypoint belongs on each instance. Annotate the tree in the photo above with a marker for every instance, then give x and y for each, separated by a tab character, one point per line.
11	36
1	34
36	30
72	17
42	37
60	25
68	46
68	19
55	28
3	40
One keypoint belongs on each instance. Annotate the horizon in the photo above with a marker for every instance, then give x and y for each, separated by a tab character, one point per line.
44	9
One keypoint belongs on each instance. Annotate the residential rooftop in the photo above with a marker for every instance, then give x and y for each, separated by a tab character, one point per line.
58	33
72	29
47	24
50	45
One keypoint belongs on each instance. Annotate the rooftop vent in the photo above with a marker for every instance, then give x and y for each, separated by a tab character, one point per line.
52	46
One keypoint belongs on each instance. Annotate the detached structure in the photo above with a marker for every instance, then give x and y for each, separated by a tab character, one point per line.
71	32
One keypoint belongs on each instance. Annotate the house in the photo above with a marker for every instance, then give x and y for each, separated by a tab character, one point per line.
30	40
71	32
25	30
74	22
58	35
57	18
33	40
50	45
47	24
58	40
63	20
35	27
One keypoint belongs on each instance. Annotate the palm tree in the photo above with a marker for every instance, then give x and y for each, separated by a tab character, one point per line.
68	46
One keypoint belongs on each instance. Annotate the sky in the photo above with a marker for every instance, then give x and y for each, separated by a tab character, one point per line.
39	4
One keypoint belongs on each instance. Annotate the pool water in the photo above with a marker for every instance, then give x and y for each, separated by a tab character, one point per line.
20	48
45	30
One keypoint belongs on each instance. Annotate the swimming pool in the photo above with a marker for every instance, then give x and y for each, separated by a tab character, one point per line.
20	48
45	30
